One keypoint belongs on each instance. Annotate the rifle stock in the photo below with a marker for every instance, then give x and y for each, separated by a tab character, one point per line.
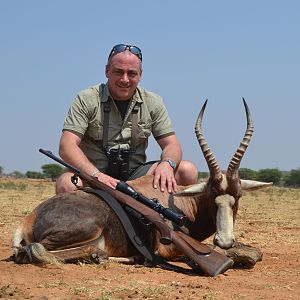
209	261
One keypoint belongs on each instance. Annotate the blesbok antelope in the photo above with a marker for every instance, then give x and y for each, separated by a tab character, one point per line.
73	225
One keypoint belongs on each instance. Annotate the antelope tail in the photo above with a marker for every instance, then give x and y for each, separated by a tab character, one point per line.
36	253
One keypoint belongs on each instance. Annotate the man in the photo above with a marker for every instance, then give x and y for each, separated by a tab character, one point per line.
106	131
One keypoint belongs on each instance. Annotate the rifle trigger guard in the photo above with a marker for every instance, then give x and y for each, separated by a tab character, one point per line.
74	179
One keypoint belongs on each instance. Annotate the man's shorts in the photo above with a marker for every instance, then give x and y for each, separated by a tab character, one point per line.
141	170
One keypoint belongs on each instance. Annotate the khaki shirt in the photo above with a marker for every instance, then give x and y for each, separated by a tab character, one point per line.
85	118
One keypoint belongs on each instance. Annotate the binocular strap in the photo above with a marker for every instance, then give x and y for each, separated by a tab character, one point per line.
134	129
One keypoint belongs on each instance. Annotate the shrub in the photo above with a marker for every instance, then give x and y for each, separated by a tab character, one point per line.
202	175
293	178
34	175
52	171
249	174
269	175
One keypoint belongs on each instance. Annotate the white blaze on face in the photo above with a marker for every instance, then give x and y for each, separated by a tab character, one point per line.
224	237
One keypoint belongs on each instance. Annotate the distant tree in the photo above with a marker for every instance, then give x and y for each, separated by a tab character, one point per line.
202	175
17	174
1	170
249	174
292	178
34	175
269	175
52	171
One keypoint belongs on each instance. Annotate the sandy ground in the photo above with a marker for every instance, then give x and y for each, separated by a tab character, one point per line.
267	219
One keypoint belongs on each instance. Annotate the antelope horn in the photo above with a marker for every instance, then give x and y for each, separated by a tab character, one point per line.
234	164
251	185
211	161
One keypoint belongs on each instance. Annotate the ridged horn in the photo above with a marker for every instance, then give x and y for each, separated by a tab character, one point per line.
211	161
234	164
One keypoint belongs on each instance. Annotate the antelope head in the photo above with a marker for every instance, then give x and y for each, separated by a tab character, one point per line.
223	189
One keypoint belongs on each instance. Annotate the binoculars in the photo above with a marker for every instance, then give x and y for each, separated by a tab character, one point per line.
118	163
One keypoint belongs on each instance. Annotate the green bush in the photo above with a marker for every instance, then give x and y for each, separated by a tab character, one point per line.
34	175
292	178
52	171
202	175
17	174
248	174
269	175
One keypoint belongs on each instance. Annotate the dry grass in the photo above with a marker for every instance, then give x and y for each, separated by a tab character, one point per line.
267	219
18	197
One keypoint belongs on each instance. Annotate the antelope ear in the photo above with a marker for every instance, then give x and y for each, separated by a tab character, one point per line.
193	190
251	185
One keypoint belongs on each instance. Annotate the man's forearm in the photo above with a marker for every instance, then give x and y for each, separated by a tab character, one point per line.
171	149
75	157
172	152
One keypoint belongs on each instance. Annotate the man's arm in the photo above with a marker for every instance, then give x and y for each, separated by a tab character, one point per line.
71	153
164	174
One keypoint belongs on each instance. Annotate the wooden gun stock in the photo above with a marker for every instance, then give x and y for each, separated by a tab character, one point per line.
210	262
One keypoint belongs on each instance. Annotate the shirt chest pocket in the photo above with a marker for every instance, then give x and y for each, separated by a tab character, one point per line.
142	133
95	131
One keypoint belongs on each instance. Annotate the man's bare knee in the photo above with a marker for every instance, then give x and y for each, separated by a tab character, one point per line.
64	183
187	173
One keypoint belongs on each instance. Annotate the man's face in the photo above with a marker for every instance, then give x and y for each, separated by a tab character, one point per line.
123	72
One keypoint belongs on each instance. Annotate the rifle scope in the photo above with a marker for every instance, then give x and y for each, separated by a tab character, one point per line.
167	213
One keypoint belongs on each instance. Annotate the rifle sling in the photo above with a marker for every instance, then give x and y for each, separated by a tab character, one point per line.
131	232
106	110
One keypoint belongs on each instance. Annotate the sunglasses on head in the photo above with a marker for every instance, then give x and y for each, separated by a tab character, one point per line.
121	48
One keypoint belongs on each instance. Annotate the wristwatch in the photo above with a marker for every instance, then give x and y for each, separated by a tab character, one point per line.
171	162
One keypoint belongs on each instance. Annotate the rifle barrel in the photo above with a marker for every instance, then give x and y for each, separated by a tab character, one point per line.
168	213
51	155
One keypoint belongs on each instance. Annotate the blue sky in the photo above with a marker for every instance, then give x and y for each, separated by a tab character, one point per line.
192	50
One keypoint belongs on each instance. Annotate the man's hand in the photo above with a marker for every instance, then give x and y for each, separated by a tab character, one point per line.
108	180
164	177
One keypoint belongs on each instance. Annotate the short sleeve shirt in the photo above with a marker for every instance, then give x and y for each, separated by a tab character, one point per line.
86	115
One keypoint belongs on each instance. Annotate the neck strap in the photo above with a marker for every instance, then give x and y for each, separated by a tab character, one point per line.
134	129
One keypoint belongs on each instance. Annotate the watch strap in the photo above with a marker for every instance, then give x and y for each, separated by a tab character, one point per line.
171	162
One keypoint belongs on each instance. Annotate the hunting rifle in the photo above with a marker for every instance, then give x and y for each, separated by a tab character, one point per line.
210	262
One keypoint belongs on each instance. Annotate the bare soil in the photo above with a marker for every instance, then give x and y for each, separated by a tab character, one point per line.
267	219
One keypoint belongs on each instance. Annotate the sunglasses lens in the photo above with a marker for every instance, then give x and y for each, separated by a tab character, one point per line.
137	51
121	48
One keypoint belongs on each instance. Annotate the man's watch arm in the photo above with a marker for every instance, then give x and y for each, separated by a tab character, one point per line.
171	162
